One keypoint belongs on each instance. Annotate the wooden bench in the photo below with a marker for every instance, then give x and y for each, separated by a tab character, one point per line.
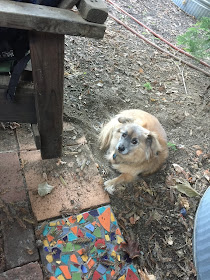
42	101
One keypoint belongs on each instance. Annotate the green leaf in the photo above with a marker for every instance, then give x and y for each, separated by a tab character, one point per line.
172	146
147	86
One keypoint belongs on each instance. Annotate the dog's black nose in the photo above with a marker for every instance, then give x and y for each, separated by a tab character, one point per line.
121	148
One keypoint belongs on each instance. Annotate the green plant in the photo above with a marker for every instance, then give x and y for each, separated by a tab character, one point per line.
172	146
147	86
197	39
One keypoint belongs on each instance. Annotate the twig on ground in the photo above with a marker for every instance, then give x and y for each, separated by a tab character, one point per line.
182	74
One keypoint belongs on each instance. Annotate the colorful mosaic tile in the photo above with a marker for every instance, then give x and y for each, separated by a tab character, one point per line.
86	247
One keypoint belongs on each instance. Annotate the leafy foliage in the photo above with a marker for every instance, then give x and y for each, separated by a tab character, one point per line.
172	146
197	39
147	86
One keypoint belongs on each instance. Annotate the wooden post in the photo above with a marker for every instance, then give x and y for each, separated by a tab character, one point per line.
47	56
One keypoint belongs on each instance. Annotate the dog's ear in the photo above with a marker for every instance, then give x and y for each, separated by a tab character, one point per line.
153	146
125	120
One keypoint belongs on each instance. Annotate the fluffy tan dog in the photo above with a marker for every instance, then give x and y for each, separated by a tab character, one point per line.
136	144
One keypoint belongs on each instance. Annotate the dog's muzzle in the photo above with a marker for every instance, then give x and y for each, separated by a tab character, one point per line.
121	148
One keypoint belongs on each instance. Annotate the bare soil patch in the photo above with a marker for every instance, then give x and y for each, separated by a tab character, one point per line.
105	76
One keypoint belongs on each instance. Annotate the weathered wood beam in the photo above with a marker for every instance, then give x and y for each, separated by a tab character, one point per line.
47	56
93	11
47	19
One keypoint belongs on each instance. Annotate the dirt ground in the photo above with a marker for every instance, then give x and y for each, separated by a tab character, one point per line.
105	76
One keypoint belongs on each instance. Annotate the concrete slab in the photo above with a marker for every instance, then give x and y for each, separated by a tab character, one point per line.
11	184
29	271
77	183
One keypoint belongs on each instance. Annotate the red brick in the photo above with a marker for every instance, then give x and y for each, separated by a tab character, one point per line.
83	188
7	140
11	183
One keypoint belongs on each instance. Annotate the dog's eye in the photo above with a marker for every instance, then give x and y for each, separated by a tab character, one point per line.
124	134
134	141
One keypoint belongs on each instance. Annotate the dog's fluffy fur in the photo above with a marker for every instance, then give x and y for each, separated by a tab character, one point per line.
136	144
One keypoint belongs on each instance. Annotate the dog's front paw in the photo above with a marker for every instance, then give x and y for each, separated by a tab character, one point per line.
109	187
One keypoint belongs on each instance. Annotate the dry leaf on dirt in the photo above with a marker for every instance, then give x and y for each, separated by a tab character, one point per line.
180	170
183	201
145	276
82	140
60	162
131	248
170	180
207	175
133	219
184	187
153	216
14	125
199	152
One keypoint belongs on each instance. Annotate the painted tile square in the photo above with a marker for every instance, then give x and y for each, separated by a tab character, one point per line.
85	247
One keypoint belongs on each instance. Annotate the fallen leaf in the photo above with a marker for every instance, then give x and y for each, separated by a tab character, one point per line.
20	222
14	125
207	175
197	147
62	181
184	187
157	216
60	162
183	201
178	168
145	276
162	88
206	156
199	152
141	70
30	251
170	181
30	221
131	248
133	219
146	188
82	140
44	189
169	240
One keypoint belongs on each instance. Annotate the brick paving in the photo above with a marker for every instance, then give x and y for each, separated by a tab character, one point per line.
77	187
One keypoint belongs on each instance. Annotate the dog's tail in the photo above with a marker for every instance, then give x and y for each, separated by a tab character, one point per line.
106	133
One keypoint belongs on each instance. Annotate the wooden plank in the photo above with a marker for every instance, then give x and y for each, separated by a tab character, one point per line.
23	110
36	134
94	11
47	19
47	56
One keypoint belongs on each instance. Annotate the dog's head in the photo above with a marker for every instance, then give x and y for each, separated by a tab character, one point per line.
135	144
